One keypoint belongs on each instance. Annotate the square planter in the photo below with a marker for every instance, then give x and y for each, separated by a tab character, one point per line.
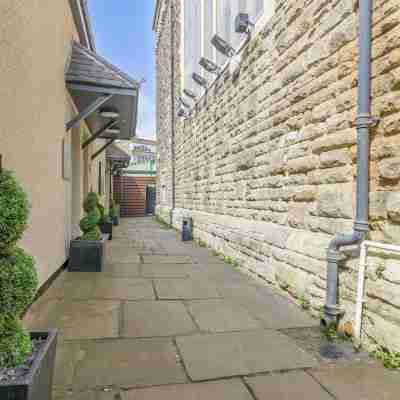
87	256
38	383
107	228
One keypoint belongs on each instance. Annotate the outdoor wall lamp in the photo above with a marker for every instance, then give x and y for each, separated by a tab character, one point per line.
182	113
190	94
183	103
209	65
222	46
109	113
114	131
243	23
199	80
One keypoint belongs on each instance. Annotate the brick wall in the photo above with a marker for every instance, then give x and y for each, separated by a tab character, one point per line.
266	165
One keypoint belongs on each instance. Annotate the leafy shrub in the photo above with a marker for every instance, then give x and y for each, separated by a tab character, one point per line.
18	279
18	282
89	223
14	211
15	343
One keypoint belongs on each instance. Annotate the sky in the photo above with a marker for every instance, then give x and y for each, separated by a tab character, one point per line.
124	36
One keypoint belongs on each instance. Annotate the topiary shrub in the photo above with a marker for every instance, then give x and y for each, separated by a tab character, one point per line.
89	223
18	278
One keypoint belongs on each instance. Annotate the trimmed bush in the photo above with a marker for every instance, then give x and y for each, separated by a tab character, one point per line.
18	279
15	343
89	223
14	211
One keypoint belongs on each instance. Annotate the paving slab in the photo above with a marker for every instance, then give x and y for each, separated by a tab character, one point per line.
123	289
274	311
124	270
127	363
241	353
364	381
232	389
166	270
156	318
161	259
72	286
181	289
287	386
88	320
122	255
221	316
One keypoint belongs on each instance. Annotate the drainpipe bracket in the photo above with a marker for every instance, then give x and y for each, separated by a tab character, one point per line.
362	227
333	310
366	121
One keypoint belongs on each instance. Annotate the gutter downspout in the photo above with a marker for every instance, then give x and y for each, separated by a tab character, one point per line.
172	10
364	121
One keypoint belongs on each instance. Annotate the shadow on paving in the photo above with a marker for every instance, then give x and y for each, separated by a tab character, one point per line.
168	320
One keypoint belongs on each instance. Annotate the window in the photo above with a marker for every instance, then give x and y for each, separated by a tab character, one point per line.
202	20
100	183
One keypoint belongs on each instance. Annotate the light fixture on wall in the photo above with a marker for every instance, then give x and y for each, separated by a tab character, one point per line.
184	103
113	131
190	94
112	113
243	23
222	46
182	113
199	80
209	66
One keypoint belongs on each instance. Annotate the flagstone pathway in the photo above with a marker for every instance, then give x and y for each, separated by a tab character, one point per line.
168	320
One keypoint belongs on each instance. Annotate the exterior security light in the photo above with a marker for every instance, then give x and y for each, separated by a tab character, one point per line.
209	65
189	93
183	102
243	23
109	113
222	46
199	80
182	113
113	131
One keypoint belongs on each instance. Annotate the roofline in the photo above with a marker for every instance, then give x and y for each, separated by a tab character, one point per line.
81	16
156	14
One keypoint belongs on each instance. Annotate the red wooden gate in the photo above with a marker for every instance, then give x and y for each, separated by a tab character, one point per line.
130	193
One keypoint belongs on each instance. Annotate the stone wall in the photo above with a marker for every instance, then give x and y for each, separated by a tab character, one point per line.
266	165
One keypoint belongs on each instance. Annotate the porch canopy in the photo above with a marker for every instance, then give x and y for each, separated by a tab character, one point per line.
118	158
105	97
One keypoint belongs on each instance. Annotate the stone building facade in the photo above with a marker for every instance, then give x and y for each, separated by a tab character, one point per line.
266	163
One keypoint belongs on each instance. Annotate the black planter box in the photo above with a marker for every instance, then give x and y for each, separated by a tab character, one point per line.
38	384
107	228
87	256
115	220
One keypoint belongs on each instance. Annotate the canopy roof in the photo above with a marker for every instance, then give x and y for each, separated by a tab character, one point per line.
95	86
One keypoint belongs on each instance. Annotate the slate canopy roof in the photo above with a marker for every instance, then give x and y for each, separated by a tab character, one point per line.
88	77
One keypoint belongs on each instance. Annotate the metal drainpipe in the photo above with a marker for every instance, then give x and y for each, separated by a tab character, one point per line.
364	121
172	10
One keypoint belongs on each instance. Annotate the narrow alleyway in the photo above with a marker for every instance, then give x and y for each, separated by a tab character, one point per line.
168	320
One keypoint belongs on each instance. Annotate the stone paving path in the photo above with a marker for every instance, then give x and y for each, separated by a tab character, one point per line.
167	320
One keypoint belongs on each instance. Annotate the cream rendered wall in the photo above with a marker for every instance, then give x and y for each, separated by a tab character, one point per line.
34	46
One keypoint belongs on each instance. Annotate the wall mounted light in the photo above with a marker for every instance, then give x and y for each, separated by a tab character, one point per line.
199	80
190	94
243	23
222	46
109	113
183	103
209	65
114	131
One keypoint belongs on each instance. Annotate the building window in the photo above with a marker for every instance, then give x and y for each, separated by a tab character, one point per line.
100	183
202	19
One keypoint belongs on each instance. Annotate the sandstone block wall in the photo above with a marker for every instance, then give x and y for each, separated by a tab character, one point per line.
266	165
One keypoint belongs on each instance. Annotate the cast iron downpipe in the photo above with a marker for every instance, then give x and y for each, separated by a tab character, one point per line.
364	121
